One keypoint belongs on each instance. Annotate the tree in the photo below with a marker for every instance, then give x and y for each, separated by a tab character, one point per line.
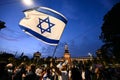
2	25
4	56
111	33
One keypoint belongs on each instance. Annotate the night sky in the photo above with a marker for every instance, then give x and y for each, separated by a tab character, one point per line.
85	18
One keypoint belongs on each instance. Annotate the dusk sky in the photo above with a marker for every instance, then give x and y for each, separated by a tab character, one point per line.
85	18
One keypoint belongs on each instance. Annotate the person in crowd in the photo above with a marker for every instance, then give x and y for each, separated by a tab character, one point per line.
31	75
87	73
19	72
76	75
47	75
58	74
64	73
38	72
3	73
83	73
10	70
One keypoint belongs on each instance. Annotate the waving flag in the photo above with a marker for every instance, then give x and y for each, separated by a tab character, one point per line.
44	23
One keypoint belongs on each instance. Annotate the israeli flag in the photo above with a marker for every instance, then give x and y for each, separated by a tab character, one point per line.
44	23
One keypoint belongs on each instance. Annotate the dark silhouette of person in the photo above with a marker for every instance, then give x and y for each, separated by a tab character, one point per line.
20	72
31	74
3	72
76	75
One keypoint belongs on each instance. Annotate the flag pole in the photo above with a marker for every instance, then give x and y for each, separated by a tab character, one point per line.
54	51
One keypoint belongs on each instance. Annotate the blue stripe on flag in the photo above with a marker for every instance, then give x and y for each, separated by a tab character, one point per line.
51	41
48	12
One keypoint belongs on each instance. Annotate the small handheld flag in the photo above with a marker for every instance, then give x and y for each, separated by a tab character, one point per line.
44	23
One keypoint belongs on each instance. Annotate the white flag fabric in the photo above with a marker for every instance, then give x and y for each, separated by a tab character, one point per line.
44	23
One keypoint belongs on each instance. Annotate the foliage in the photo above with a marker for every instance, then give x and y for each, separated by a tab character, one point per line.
2	25
111	34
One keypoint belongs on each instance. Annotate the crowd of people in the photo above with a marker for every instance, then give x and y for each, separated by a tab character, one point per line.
62	71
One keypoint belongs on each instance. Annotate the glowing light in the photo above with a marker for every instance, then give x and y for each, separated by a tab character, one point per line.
28	2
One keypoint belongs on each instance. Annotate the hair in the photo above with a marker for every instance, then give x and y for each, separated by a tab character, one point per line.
33	67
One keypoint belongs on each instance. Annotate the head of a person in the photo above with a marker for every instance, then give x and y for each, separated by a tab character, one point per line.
32	67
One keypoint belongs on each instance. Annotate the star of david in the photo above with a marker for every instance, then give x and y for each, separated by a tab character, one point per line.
45	25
